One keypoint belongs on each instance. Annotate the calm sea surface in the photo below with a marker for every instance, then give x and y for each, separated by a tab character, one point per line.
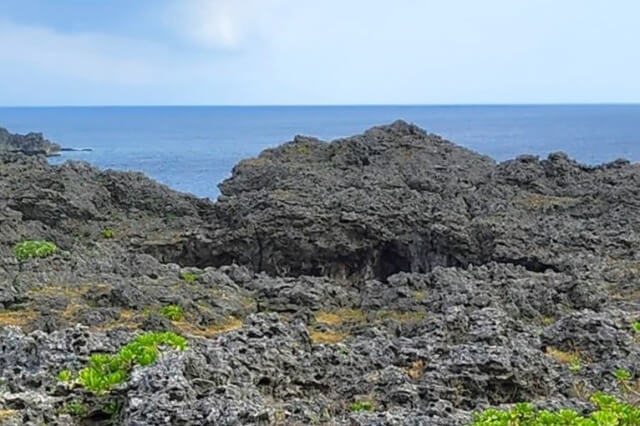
193	148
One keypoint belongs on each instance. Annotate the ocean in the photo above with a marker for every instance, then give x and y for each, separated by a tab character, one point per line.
192	149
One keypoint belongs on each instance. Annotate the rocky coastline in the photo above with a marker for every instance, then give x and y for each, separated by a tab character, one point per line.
389	278
29	144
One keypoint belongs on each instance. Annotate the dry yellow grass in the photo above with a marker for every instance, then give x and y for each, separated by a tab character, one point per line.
541	201
230	324
71	310
416	369
419	295
547	321
327	337
17	318
340	316
68	291
128	319
7	414
402	317
563	357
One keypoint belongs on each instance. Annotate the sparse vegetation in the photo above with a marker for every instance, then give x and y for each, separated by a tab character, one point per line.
189	277
65	376
106	370
6	414
31	249
572	359
75	408
329	337
229	324
622	375
610	412
416	370
575	365
17	318
402	317
172	312
111	408
340	316
107	233
359	406
636	326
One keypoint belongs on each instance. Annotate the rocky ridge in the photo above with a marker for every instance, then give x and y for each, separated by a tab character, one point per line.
30	144
392	267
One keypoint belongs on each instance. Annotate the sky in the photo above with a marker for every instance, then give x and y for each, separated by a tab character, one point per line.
282	52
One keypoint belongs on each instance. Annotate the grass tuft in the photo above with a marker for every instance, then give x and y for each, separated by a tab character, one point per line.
32	249
327	337
107	233
172	312
189	277
359	406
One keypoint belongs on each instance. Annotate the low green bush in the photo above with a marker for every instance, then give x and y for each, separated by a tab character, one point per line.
65	376
172	312
104	371
610	412
107	233
636	326
75	408
359	406
622	375
189	277
30	249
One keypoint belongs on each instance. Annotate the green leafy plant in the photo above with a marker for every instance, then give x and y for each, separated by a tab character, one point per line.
189	277
111	408
30	249
622	375
359	406
575	365
104	371
65	376
636	326
172	312
609	412
75	408
107	233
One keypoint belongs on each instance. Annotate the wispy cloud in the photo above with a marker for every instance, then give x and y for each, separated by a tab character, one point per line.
222	24
85	56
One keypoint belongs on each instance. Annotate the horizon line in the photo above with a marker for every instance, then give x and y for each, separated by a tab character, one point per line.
523	104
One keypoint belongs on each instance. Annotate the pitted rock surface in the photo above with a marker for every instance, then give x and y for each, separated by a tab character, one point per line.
392	267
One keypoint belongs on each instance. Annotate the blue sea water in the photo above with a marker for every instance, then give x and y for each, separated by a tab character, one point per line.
192	149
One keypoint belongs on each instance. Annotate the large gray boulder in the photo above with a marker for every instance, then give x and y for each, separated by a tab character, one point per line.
397	199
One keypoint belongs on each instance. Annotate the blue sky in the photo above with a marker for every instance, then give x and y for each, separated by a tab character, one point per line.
228	52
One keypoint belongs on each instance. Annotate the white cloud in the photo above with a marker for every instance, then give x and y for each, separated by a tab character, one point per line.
86	56
222	24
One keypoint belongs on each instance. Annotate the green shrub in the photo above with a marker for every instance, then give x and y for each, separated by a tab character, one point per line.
359	406
111	408
107	233
65	376
189	277
622	375
75	408
636	326
575	365
104	371
610	412
172	312
29	249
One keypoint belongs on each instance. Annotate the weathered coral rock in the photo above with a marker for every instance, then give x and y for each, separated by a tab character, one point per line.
392	267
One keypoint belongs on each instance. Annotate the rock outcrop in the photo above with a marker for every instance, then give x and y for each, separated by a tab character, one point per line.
393	267
30	144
